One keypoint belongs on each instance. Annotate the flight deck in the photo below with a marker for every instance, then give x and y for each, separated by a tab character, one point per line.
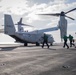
35	60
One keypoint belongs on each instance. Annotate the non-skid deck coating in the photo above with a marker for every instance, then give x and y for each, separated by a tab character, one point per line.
33	60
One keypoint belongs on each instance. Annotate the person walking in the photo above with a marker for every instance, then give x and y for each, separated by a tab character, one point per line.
65	41
71	39
45	40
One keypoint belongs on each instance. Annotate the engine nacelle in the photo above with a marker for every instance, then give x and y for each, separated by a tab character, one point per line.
63	26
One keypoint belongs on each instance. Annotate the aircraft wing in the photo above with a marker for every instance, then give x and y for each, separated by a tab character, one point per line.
48	29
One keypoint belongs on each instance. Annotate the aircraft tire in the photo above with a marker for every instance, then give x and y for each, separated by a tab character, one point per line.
25	44
37	44
51	44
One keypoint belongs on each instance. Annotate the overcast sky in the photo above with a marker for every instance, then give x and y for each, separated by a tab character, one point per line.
28	10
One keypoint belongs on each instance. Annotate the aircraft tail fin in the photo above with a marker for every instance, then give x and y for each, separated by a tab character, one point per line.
9	27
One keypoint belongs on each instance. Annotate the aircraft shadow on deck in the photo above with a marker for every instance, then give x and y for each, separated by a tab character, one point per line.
74	49
7	48
10	48
14	47
52	49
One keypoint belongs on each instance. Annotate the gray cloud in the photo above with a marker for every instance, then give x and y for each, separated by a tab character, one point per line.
0	0
28	8
40	1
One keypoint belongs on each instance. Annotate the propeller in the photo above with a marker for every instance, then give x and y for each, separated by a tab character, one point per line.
70	10
22	24
70	17
55	14
61	14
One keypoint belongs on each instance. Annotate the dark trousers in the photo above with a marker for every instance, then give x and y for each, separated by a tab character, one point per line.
45	42
71	43
65	44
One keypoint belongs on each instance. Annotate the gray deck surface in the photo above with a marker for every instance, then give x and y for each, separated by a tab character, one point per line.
33	60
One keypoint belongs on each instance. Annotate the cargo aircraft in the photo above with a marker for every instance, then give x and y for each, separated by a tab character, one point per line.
23	36
34	36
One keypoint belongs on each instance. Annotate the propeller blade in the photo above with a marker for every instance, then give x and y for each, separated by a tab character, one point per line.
24	25
70	10
56	14
20	20
70	17
28	25
20	23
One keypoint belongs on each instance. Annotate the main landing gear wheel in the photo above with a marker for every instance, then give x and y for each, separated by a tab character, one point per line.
51	44
37	44
25	44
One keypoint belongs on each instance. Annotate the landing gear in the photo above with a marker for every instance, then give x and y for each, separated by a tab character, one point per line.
25	44
37	44
51	44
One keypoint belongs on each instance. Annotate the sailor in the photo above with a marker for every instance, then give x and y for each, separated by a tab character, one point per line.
71	41
65	41
45	40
